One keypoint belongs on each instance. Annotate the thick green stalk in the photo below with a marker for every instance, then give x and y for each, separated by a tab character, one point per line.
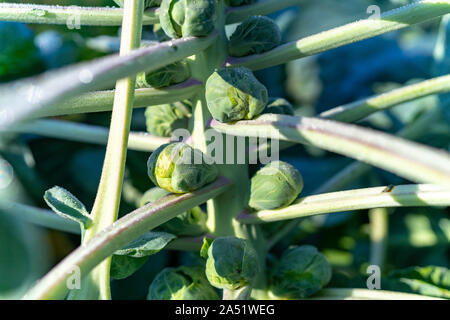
408	15
107	202
74	131
99	101
368	198
410	160
116	236
72	16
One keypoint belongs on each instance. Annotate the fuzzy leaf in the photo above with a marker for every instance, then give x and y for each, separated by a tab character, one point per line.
124	266
67	205
148	244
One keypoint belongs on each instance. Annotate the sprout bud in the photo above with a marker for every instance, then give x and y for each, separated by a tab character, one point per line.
274	186
182	283
255	35
234	94
232	263
301	272
162	120
179	168
183	18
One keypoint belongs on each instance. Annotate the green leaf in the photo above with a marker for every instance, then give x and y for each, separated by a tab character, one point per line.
67	205
206	244
124	266
148	244
430	281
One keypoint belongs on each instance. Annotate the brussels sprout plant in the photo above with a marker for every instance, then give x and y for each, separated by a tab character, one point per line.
224	174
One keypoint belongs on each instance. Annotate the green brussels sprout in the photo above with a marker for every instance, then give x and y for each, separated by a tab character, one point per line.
163	77
279	106
301	272
147	3
238	3
254	35
274	186
182	283
189	223
232	263
179	168
183	18
234	94
162	120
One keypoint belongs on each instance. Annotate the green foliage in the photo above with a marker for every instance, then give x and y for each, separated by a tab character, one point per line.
184	18
279	106
429	281
67	205
166	76
162	120
274	186
182	283
255	35
124	266
179	168
146	245
189	223
232	263
301	272
235	94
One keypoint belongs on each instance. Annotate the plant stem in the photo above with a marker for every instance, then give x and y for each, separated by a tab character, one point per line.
107	202
99	101
363	29
38	216
366	294
360	109
54	87
357	169
116	236
80	132
358	199
72	16
379	224
264	7
239	294
410	160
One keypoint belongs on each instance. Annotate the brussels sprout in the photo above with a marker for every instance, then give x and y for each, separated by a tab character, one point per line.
183	18
234	94
182	283
147	3
256	34
279	106
163	119
232	263
189	223
179	168
301	272
163	77
274	186
238	3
